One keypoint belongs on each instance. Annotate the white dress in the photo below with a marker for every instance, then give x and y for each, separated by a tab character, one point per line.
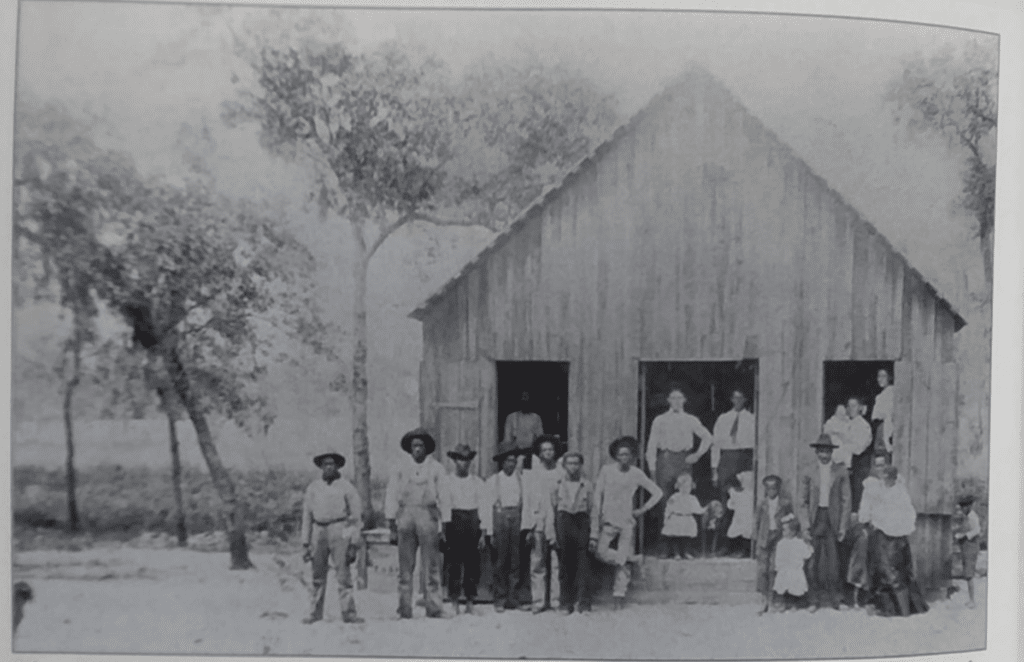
679	516
742	506
790	554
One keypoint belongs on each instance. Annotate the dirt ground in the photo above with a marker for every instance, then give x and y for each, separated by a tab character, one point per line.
117	599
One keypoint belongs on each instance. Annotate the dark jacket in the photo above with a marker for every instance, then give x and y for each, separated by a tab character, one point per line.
761	529
838	499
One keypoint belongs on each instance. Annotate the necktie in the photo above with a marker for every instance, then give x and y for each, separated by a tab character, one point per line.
735	428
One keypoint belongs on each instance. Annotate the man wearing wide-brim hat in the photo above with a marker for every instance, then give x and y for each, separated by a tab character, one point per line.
417	506
505	493
824	513
331	512
469	531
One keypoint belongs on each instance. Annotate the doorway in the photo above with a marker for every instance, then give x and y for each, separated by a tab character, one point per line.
546	383
708	387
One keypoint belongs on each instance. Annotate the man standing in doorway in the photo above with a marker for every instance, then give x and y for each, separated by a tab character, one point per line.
416	504
857	444
670	445
522	428
732	449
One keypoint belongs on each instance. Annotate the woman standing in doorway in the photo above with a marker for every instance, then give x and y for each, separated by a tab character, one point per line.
881	415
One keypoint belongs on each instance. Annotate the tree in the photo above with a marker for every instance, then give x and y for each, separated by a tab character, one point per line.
67	192
209	287
390	140
953	93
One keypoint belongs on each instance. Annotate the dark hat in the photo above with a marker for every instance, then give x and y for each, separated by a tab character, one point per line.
634	445
418	433
504	450
560	446
965	500
462	452
825	441
338	458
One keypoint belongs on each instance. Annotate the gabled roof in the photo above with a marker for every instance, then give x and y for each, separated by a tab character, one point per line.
692	71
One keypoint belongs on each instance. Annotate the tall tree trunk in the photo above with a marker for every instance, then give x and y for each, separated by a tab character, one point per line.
360	434
70	384
233	506
179	502
987	249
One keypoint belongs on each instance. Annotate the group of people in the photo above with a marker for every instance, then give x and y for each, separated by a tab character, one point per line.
842	540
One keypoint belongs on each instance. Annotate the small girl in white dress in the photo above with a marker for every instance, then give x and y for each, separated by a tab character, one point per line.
790	555
679	528
741	503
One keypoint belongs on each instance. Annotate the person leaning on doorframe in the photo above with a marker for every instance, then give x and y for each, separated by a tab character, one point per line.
824	512
417	506
331	518
881	416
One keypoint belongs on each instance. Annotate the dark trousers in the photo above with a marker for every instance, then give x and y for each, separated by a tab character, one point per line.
508	579
463	557
859	470
573	533
680	545
826	582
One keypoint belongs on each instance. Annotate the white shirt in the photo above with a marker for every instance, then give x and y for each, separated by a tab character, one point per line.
856	436
825	482
509	490
773	507
836	427
973	528
892	512
674	431
745	433
539	483
470	493
882	411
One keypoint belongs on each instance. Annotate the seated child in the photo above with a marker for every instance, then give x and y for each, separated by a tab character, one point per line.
679	528
791	553
713	523
967	534
741	503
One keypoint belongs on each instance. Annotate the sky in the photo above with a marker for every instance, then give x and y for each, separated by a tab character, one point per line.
817	82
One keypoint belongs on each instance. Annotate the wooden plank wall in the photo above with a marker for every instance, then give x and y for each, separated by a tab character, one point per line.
698	235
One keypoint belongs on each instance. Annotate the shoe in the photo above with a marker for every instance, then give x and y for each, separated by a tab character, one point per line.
618	604
310	619
405	613
812	609
689	556
437	614
353	620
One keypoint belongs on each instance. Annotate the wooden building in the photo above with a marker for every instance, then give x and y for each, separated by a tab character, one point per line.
694	245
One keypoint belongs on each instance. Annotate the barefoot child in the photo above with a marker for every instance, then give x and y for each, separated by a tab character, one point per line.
741	503
680	527
767	533
790	555
613	519
967	534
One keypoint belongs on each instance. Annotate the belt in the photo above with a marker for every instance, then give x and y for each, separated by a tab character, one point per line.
330	521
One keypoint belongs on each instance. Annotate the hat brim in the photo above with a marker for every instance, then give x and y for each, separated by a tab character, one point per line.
831	447
461	456
428	441
338	458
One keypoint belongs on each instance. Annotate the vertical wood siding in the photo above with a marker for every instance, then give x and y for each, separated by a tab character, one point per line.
697	235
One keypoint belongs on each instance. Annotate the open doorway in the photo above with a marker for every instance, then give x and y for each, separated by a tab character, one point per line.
546	385
708	387
856	379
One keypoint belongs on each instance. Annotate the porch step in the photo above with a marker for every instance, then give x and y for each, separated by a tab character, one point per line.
703	581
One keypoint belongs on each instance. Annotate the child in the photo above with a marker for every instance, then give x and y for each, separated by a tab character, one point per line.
741	503
680	528
790	555
613	517
568	527
967	534
767	533
713	522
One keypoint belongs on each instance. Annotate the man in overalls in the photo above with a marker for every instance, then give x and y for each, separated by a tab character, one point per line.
331	513
416	505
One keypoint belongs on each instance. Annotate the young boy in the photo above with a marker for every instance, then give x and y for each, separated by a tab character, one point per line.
469	531
967	534
613	518
505	493
767	533
539	482
330	510
568	527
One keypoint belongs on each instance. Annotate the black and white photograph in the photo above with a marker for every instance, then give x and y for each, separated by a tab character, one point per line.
560	334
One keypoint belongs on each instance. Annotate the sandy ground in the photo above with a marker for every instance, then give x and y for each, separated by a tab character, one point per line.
124	600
